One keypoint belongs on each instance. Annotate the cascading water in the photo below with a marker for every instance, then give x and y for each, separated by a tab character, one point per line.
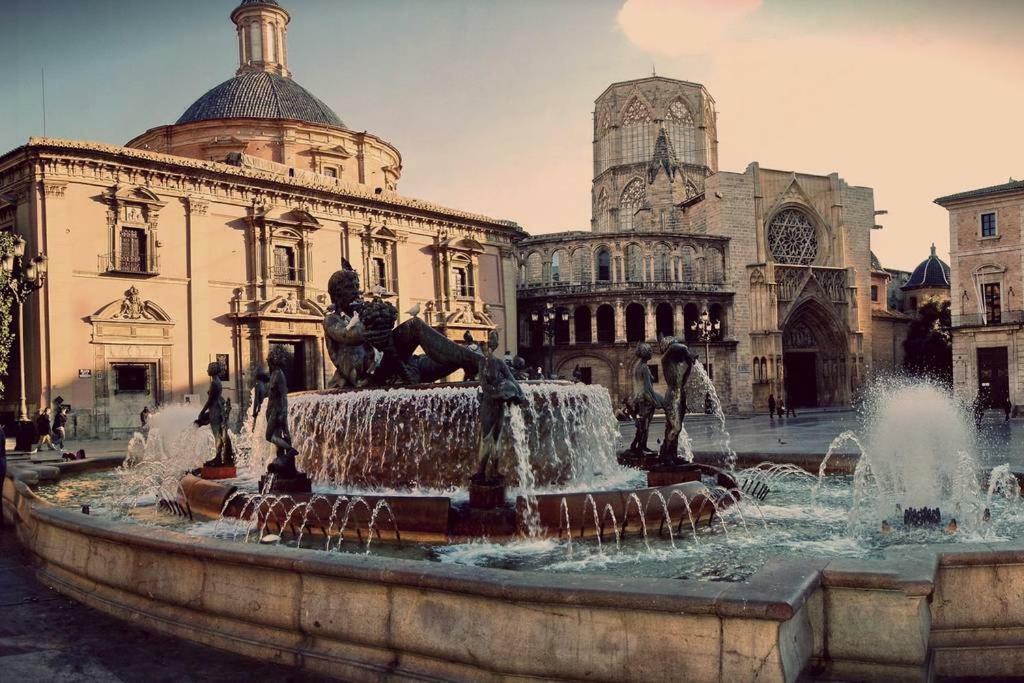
724	440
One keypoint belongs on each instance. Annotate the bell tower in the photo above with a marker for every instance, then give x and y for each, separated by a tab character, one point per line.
262	27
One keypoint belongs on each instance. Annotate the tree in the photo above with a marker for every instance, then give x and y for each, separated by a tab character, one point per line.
6	309
928	348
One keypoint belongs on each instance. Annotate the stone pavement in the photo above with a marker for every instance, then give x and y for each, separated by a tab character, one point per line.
47	637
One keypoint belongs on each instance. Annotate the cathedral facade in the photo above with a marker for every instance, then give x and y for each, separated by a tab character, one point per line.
213	239
778	262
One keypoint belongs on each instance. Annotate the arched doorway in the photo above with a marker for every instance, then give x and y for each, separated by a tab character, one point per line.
605	324
581	319
663	319
635	323
814	351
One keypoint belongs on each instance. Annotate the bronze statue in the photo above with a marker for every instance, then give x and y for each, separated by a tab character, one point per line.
643	400
259	392
277	415
215	414
369	349
674	356
498	388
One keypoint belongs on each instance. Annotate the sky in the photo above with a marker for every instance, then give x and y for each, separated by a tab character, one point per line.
490	103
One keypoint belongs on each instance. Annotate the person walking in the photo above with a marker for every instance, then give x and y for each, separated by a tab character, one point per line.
790	410
781	412
44	429
771	406
60	421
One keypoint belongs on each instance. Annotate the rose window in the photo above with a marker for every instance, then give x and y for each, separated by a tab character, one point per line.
792	238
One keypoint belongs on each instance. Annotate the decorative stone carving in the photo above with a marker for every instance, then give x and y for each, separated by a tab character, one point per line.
792	238
132	307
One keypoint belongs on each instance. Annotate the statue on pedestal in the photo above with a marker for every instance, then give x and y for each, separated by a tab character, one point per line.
367	348
676	363
498	389
277	416
643	401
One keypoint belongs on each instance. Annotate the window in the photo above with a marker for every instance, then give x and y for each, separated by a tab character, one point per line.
654	372
681	131
133	251
131	379
913	303
380	273
988	225
463	285
634	263
556	266
792	238
604	266
993	304
632	199
330	172
874	292
284	264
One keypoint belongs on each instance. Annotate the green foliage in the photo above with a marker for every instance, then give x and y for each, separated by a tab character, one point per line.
928	347
6	311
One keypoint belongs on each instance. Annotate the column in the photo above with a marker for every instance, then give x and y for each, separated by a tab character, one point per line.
678	323
593	323
620	322
651	325
572	326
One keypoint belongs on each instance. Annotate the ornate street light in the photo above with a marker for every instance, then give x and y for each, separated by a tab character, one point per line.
24	276
549	316
706	328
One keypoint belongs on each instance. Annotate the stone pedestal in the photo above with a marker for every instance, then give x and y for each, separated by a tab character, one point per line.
299	484
486	495
218	472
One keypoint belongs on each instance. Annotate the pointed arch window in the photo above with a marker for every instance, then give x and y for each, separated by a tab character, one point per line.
604	266
632	199
634	263
581	265
638	133
792	238
681	131
662	263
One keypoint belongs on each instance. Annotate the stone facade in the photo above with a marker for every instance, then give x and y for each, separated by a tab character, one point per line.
781	260
173	251
986	236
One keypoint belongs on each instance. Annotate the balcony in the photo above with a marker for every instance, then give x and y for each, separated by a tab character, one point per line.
547	289
129	264
977	320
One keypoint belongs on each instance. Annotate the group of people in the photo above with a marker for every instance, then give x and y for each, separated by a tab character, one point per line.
51	431
779	408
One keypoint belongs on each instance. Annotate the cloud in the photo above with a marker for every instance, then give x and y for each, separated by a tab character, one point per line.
681	27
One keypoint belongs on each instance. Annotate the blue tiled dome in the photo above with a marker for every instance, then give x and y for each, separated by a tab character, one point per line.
932	272
261	95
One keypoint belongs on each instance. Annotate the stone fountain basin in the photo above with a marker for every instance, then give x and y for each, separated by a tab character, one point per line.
694	497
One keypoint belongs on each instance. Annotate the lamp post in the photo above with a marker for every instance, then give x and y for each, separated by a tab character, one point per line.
549	316
706	328
24	276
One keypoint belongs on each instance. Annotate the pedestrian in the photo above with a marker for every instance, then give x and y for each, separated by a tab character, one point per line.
44	429
790	410
1007	408
771	406
60	421
782	408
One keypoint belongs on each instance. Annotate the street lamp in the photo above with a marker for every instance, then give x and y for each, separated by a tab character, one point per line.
23	276
549	316
706	328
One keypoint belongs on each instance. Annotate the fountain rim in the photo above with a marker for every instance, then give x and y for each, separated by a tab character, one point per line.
424	386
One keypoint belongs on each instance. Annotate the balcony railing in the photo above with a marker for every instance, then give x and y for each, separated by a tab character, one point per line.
128	263
977	320
287	275
565	288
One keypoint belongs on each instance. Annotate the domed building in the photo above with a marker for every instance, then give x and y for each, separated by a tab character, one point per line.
213	238
930	280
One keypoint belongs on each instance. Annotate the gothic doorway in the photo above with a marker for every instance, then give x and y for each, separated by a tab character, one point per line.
814	346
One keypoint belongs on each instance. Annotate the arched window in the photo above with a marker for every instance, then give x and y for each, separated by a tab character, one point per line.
690	314
638	132
604	266
634	263
715	265
690	273
757	371
534	269
581	266
605	324
601	209
717	314
662	263
635	323
560	267
561	326
581	319
632	199
681	131
792	238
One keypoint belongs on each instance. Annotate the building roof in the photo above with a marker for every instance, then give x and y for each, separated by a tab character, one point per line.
875	263
261	95
932	272
1011	186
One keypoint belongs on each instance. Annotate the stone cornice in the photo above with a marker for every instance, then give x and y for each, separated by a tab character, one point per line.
574	236
212	173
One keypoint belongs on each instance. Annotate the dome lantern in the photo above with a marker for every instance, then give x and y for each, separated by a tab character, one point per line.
262	28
